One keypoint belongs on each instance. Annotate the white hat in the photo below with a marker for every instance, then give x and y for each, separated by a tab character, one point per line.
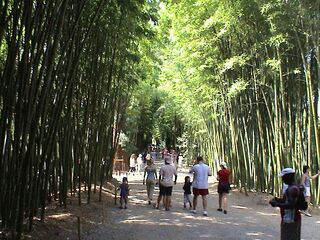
223	164
148	157
286	171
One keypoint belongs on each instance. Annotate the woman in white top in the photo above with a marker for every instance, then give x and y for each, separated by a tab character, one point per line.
132	163
305	181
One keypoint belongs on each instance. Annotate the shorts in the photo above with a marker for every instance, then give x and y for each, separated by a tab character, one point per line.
202	192
307	192
223	188
165	191
186	198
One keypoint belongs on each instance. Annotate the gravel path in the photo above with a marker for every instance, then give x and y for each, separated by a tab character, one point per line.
248	218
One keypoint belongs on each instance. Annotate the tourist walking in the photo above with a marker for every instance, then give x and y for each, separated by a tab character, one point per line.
187	192
150	178
200	184
174	157
290	215
154	154
166	183
132	163
124	193
305	181
180	160
223	176
139	163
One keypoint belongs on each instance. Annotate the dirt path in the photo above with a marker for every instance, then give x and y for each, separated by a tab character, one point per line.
248	218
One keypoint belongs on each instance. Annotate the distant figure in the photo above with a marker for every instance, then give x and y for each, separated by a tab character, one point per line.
166	183
174	156
223	176
200	184
180	160
305	181
139	163
165	154
124	193
187	192
154	154
151	172
132	163
290	215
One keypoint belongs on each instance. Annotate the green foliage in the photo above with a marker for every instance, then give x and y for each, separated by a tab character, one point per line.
231	71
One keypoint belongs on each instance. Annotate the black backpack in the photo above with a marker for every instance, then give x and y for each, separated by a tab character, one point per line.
302	204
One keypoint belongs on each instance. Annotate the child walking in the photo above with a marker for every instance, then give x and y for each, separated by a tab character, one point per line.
124	193
187	192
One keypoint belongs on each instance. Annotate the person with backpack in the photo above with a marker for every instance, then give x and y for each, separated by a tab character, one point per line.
289	206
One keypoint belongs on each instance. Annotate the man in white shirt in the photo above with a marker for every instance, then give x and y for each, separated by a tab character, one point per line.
166	174
200	185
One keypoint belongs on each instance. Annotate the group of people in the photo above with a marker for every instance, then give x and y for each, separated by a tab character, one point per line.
167	179
138	163
290	213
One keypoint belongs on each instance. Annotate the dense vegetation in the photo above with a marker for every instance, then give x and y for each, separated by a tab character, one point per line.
236	80
245	76
67	73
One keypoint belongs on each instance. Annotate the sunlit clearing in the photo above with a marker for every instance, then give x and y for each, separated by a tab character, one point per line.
60	216
239	207
267	214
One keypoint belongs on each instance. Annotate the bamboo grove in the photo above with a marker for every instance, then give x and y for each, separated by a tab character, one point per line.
236	80
245	76
67	70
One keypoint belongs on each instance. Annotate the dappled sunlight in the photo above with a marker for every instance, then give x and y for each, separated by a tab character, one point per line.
239	207
245	219
254	233
60	216
136	221
259	235
205	236
267	214
232	223
136	200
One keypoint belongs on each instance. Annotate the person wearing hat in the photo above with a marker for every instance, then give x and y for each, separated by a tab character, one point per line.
223	176
201	172
167	171
290	215
151	172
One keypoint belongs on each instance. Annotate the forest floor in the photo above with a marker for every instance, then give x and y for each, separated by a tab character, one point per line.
248	217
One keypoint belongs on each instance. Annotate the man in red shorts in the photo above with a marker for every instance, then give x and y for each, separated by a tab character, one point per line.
200	185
